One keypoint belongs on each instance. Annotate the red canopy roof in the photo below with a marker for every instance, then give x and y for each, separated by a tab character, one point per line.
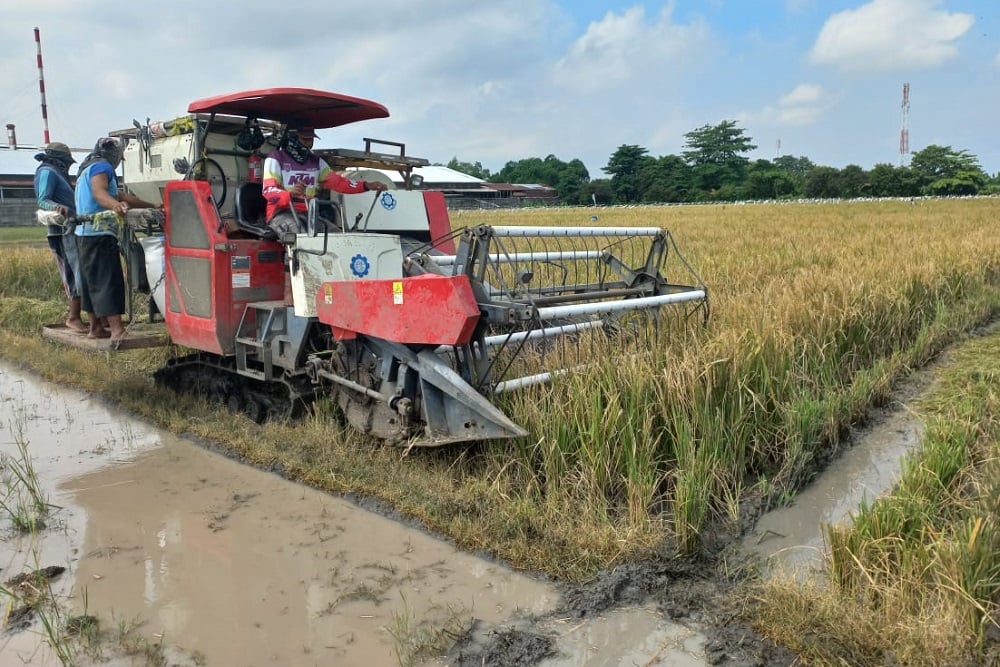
303	106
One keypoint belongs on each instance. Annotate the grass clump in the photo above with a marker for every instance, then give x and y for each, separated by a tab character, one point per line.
22	499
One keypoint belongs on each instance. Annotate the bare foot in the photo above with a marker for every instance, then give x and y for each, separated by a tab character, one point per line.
116	340
99	333
76	325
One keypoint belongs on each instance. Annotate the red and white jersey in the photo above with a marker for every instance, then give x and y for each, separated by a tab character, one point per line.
281	173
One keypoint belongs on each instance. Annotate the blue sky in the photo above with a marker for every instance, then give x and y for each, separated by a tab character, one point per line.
503	80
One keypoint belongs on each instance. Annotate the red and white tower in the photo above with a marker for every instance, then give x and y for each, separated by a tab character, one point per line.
904	133
41	88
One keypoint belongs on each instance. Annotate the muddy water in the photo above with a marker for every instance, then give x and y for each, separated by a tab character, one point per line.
228	564
626	637
792	536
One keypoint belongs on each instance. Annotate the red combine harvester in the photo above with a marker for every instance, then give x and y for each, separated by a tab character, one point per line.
412	327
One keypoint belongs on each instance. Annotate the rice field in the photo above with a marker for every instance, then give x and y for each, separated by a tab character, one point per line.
817	310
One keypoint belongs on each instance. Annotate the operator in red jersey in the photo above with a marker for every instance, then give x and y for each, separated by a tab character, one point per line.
293	173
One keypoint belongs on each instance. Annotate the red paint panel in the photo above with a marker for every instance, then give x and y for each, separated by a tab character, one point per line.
237	275
439	223
428	309
318	108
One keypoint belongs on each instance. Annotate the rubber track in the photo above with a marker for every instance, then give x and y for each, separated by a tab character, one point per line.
215	378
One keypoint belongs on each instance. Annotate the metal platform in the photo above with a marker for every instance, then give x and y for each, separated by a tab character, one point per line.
140	335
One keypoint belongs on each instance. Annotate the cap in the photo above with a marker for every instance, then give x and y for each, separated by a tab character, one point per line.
57	150
105	143
305	131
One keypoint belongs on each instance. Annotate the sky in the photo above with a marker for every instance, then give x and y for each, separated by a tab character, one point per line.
502	80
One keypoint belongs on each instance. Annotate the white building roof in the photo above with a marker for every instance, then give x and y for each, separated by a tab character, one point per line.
431	174
21	160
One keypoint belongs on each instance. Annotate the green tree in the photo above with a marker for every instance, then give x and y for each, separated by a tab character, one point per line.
945	171
853	182
992	186
665	180
598	191
716	153
797	168
764	180
624	166
822	183
568	178
474	169
885	180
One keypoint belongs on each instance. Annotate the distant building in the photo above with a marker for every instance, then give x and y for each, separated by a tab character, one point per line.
17	189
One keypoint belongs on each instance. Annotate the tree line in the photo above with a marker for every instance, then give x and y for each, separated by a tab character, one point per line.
713	167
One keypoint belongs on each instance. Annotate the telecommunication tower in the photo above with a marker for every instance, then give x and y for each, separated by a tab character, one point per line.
904	133
41	88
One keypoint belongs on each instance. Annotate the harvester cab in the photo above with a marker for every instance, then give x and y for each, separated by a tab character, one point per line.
412	327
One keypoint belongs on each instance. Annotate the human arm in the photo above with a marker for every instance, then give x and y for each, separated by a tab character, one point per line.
273	187
331	180
99	188
132	200
45	192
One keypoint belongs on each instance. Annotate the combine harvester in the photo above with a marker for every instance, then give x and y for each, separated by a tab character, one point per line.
412	327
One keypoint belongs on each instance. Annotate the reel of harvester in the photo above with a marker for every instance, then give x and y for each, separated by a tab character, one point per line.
557	298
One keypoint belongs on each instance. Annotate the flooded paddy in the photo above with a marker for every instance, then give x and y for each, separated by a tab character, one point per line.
229	564
221	563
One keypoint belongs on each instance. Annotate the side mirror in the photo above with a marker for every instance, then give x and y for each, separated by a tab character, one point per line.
416	180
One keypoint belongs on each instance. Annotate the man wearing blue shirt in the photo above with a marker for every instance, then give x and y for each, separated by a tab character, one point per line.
54	194
101	207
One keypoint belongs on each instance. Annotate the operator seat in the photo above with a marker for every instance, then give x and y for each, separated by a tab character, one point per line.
250	210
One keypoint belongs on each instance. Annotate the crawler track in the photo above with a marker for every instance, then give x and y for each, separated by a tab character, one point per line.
215	378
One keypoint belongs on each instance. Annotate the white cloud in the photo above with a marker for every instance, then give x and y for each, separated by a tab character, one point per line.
886	35
803	94
629	47
804	105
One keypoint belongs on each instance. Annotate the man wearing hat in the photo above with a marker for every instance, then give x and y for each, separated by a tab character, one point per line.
292	175
55	196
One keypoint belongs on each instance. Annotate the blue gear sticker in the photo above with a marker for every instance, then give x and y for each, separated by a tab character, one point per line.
388	201
360	266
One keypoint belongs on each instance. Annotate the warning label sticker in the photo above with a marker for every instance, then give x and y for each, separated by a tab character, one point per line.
397	292
240	271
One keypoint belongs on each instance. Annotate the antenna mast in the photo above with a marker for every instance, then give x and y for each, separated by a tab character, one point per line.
41	88
904	133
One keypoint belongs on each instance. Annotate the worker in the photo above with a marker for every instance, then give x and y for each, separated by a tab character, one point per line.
292	175
101	208
54	193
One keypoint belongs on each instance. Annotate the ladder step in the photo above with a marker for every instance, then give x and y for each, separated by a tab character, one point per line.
250	342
